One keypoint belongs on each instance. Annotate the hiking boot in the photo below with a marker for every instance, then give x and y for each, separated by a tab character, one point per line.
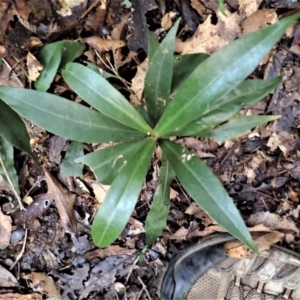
204	271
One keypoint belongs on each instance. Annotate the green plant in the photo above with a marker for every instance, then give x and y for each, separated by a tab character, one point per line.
196	95
13	131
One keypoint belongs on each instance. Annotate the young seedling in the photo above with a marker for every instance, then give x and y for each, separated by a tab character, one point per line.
191	96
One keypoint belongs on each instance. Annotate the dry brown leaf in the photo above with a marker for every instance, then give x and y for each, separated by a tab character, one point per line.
64	200
209	38
173	193
5	230
101	45
194	209
180	234
138	82
274	222
100	191
111	250
41	282
248	7
237	249
34	67
16	296
166	21
258	20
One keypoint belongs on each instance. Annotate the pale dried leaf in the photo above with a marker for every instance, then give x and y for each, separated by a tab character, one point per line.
237	249
5	230
34	67
258	20
173	193
166	21
101	45
138	82
100	191
248	7
194	209
7	279
110	250
41	282
274	222
209	38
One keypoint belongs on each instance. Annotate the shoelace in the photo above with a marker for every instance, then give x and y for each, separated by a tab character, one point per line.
252	294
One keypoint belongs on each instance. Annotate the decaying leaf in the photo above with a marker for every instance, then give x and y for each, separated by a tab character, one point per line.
274	221
7	279
138	82
263	242
209	38
101	45
41	282
64	200
5	230
111	250
258	20
34	67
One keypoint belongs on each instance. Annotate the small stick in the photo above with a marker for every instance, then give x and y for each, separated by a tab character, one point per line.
144	288
21	252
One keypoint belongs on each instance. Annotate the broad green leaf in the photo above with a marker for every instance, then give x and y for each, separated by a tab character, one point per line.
159	76
207	191
184	65
246	93
70	51
13	129
217	75
160	207
99	93
66	118
68	165
121	198
50	57
236	126
108	162
153	44
7	168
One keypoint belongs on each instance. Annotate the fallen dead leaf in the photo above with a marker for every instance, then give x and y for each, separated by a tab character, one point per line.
111	250
34	67
101	45
274	222
208	38
194	209
5	230
259	19
16	296
64	200
41	282
166	21
264	241
100	191
7	279
138	82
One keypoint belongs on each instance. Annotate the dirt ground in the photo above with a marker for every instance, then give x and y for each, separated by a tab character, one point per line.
39	258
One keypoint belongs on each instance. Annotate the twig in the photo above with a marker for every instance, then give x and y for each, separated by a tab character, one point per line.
131	269
11	70
144	288
21	252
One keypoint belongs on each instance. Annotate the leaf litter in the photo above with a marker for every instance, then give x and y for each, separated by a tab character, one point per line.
260	169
